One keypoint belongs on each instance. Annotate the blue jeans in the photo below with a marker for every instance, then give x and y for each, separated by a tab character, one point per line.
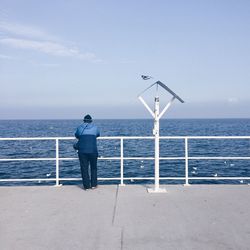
85	161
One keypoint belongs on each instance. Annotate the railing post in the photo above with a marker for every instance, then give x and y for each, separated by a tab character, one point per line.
57	163
186	162
122	173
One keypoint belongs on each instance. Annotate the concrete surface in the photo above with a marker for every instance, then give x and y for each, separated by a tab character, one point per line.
113	217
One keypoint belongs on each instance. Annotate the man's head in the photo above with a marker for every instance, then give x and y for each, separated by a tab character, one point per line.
87	118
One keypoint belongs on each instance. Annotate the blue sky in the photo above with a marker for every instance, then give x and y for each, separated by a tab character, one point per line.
63	59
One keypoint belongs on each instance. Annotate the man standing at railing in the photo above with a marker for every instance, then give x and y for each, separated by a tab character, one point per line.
86	134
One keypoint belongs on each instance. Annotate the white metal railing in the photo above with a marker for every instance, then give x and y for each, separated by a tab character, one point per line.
186	158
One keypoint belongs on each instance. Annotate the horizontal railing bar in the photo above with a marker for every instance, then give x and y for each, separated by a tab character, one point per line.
29	159
125	137
127	178
218	178
138	178
99	178
34	138
220	158
152	178
72	138
69	159
51	179
18	180
205	137
132	158
217	137
128	158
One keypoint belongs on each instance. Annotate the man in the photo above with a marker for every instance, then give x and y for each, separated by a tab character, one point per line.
87	151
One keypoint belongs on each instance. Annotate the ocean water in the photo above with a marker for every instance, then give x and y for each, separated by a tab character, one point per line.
132	148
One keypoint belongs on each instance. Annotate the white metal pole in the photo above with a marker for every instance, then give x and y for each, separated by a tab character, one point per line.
157	141
57	163
122	174
156	132
186	162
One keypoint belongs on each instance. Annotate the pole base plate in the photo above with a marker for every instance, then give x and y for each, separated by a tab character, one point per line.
59	185
157	190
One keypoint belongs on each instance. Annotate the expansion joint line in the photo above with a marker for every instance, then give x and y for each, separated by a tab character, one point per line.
122	236
115	205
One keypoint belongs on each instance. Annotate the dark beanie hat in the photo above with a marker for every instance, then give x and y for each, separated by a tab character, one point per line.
87	118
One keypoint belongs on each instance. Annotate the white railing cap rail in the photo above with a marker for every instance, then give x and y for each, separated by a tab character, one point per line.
124	137
71	138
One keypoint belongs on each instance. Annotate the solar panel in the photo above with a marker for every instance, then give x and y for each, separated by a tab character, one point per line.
170	91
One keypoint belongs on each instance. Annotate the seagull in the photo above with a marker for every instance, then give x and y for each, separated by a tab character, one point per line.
215	175
146	77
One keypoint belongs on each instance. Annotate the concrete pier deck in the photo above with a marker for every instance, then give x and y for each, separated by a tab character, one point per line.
113	217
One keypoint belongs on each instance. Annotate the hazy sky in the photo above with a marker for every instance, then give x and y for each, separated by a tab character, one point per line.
63	59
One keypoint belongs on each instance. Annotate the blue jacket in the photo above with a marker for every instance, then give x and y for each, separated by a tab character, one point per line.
87	134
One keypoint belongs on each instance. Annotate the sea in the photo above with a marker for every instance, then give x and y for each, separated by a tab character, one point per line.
132	148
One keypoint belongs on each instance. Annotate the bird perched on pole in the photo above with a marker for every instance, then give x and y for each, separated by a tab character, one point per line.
146	77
